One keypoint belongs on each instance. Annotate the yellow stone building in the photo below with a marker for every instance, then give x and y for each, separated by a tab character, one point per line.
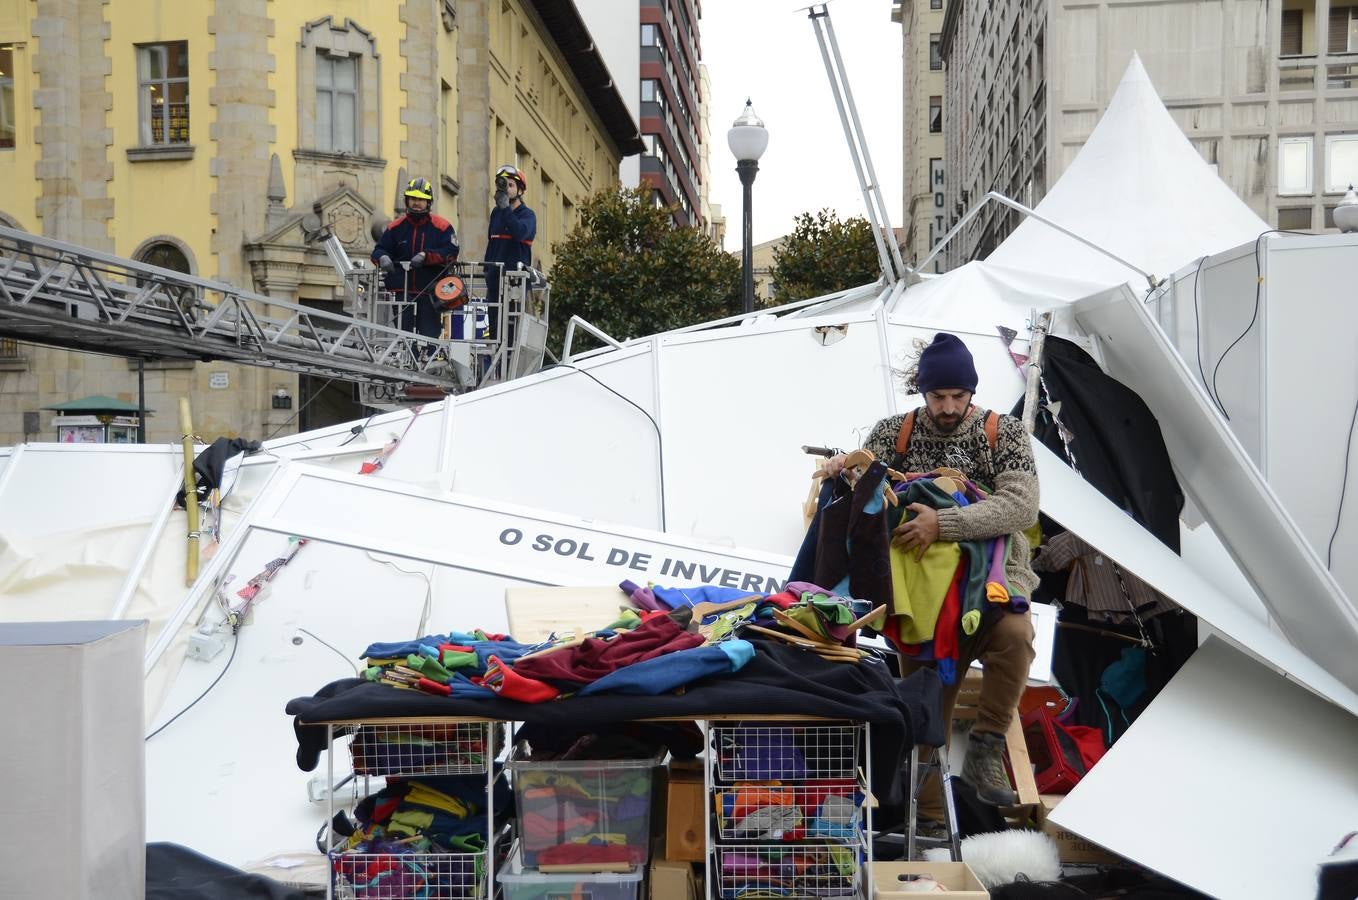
197	134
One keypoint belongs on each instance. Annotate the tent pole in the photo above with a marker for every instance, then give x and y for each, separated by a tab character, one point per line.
1041	324
190	491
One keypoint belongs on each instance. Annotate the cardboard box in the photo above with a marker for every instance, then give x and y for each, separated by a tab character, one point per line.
960	881
1073	848
74	816
685	807
671	880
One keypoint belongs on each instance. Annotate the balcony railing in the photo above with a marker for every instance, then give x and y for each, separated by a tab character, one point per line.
1296	74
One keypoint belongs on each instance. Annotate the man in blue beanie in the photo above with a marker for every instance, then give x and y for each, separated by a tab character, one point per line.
994	451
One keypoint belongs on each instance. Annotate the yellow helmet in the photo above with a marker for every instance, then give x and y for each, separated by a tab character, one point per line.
420	188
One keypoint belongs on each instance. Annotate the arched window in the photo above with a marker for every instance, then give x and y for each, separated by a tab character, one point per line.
165	255
166	252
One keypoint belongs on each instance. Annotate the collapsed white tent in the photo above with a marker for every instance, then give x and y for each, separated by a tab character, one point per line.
1139	190
693	434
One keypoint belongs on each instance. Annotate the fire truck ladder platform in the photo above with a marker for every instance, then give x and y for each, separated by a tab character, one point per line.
62	295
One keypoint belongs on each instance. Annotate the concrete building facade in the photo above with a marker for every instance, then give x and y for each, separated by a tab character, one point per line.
1266	90
924	200
199	142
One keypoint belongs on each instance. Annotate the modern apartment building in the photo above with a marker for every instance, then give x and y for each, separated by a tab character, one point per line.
671	91
1267	90
654	51
924	202
196	136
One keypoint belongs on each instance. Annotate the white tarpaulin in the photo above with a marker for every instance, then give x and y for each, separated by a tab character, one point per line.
1302	597
1234	781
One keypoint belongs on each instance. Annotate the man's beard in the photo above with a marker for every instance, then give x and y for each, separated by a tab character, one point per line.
946	423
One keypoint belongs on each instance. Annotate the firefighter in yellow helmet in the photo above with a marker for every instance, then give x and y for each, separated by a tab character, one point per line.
429	244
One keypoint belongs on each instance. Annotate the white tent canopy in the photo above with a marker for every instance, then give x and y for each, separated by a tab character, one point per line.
1138	189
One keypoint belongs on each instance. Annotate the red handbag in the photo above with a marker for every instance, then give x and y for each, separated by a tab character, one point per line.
1060	754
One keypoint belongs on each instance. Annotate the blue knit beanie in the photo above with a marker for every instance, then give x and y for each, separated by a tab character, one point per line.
946	364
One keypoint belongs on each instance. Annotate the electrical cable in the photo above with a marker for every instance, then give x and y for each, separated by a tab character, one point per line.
1254	316
1343	487
338	652
235	643
358	430
1197	335
314	394
659	439
428	589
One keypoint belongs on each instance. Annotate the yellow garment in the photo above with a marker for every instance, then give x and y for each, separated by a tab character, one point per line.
423	795
995	592
409	823
918	588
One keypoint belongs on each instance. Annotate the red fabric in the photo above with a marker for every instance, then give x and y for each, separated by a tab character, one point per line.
433	687
507	683
782	600
946	643
1088	739
574	854
595	658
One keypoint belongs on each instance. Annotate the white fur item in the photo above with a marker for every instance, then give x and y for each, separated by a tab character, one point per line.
922	886
998	857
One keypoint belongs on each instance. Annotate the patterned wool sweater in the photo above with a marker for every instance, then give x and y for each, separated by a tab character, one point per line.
1008	472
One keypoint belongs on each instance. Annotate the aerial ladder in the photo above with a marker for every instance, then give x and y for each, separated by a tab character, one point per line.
62	295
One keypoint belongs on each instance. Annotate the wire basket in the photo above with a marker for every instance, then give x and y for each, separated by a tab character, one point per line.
403	876
758	812
749	752
460	748
789	870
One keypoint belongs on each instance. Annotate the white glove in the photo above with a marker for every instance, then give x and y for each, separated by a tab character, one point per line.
384	263
417	259
501	200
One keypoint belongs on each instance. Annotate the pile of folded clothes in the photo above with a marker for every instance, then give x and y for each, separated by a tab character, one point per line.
419	837
754	871
589	804
772	811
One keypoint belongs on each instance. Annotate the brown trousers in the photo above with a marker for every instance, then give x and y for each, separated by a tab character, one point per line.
1005	648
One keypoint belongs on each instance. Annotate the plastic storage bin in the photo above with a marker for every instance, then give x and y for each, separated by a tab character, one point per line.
583	811
519	883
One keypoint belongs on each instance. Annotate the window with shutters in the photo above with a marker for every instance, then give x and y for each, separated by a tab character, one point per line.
1291	33
1294	218
1343	29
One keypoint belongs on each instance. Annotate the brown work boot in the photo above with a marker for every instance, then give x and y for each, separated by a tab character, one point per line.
984	769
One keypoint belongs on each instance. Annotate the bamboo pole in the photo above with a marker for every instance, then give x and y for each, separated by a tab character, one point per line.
1035	348
190	491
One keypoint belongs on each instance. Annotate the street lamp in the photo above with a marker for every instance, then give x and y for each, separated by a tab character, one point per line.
747	140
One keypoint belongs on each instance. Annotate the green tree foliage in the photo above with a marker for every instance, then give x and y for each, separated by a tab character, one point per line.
823	255
628	269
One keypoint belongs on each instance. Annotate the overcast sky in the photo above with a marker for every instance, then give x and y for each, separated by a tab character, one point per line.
767	50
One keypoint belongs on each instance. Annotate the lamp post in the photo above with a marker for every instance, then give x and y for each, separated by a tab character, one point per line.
747	140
